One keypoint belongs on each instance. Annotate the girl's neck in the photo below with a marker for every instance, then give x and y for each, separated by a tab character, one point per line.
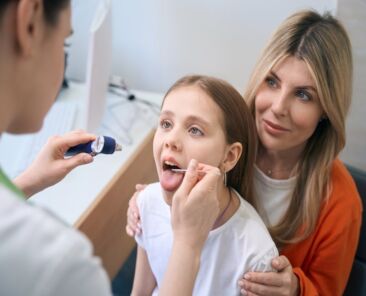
228	204
278	164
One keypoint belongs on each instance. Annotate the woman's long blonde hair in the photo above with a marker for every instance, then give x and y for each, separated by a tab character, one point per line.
322	43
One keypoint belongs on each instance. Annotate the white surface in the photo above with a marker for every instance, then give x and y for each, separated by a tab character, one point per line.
98	66
353	14
157	42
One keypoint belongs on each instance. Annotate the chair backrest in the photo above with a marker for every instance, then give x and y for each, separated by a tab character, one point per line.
357	280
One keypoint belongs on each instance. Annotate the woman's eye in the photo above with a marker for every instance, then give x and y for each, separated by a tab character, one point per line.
303	95
165	124
195	131
271	82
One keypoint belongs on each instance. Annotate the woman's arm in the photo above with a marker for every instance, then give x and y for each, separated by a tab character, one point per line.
50	166
144	281
330	254
133	214
282	282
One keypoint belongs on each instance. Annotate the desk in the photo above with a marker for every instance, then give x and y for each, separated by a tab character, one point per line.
94	198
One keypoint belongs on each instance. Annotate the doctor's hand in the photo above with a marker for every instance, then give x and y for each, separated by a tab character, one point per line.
282	282
50	166
195	205
194	210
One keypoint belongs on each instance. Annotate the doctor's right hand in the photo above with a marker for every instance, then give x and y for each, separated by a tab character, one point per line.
195	205
50	166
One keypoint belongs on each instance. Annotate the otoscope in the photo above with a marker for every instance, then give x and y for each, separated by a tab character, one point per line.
102	144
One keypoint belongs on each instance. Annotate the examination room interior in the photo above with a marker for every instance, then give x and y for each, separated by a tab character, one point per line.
155	43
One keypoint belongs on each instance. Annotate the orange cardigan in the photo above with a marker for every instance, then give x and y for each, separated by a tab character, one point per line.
323	261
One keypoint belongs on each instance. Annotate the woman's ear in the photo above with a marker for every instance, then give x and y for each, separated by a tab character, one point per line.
232	156
29	24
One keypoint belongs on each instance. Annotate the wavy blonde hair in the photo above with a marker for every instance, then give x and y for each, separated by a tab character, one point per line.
323	44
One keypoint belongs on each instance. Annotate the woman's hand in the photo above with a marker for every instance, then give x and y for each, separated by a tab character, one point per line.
283	282
50	166
133	226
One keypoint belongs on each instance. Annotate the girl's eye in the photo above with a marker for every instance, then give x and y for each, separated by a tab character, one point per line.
165	124
303	95
271	82
195	131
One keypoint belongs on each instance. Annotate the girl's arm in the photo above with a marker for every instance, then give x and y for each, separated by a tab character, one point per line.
144	281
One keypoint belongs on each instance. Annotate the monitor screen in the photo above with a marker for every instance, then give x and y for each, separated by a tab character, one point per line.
98	67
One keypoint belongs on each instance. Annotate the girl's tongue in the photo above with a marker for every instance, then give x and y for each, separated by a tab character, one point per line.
170	181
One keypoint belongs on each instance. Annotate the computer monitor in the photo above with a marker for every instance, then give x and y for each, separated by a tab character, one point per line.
98	67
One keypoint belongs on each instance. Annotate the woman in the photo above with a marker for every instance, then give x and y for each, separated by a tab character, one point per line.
39	254
299	94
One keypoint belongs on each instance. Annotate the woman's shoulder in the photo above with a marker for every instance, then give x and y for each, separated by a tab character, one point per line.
343	187
344	197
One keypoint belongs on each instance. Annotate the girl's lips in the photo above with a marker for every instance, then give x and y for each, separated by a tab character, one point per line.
169	162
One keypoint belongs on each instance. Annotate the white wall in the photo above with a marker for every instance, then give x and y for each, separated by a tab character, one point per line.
353	14
157	42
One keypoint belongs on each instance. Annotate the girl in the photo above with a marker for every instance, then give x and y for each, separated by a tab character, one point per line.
206	119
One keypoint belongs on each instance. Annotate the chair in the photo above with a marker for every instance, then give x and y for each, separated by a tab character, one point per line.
356	285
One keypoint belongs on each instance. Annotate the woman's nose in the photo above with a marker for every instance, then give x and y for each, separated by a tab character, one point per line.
280	104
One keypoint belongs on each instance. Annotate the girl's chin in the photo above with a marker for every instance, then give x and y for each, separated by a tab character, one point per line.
168	197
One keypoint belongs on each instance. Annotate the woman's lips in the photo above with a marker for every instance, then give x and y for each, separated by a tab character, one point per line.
273	128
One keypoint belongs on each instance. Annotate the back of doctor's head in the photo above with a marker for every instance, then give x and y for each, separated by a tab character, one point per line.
51	8
238	126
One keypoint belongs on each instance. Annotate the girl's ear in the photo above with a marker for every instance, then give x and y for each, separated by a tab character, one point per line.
29	23
232	156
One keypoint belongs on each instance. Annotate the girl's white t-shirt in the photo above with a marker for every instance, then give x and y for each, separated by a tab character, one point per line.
242	244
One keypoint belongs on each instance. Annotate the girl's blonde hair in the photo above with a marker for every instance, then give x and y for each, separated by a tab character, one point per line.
238	126
322	43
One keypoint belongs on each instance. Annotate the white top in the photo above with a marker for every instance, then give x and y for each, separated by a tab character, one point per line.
242	244
273	195
41	256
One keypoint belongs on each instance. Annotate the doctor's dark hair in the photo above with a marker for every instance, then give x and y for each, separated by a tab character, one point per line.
238	126
51	9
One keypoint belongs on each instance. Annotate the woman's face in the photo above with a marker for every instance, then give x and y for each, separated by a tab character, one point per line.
287	107
190	126
44	72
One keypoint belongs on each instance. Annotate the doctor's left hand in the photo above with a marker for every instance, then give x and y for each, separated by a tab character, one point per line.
50	166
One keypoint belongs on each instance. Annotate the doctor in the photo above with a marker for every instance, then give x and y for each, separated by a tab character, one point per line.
39	254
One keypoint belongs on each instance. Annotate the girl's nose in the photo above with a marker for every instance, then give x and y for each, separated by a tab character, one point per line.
173	141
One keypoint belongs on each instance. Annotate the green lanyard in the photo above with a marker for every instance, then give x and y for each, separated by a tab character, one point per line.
10	185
